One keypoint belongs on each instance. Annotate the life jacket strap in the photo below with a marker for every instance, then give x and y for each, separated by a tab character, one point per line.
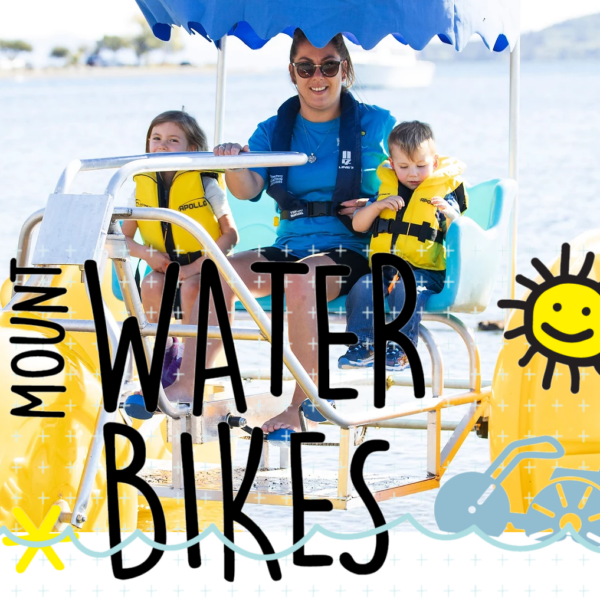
424	232
312	209
187	259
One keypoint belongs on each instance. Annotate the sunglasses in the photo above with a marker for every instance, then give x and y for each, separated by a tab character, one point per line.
329	69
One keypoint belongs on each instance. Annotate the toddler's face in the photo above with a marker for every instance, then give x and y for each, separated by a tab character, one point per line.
168	137
413	171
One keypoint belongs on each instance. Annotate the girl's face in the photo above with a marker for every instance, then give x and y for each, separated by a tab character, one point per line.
318	92
169	137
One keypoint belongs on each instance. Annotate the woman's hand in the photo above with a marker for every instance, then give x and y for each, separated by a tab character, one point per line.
243	183
444	207
230	149
351	206
158	261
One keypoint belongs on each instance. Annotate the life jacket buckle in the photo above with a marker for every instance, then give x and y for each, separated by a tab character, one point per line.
319	209
426	232
383	226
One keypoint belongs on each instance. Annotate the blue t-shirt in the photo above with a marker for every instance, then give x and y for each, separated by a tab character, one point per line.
315	182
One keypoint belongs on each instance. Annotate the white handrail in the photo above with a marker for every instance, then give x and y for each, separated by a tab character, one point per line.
203	161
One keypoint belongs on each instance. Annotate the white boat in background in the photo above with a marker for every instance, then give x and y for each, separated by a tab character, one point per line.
394	67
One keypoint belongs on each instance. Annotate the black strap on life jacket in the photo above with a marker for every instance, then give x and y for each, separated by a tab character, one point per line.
461	198
349	174
313	209
397	226
163	202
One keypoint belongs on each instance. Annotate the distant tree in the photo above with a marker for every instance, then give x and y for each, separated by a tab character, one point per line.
12	48
113	43
75	57
145	41
60	52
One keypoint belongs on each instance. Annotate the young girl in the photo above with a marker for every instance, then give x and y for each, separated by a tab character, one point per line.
193	193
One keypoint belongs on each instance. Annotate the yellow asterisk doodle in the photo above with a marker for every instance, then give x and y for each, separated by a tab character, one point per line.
37	535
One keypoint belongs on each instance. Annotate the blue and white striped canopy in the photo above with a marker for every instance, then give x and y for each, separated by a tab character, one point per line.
364	22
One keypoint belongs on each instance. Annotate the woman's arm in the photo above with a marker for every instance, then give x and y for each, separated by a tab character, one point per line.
242	183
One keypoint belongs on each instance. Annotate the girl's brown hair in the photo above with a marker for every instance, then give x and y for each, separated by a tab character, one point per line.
340	46
193	132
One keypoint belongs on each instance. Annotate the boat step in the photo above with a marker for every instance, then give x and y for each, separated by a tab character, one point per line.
273	486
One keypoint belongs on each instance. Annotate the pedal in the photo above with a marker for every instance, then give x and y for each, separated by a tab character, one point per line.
135	407
204	429
280	438
312	413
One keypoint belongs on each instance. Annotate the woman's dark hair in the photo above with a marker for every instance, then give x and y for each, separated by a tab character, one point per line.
193	132
340	46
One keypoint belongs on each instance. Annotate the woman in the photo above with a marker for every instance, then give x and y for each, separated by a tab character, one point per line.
344	141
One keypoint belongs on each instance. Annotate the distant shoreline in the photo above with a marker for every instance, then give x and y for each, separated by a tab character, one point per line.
84	72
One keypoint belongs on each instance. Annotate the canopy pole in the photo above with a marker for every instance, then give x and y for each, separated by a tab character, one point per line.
220	96
513	153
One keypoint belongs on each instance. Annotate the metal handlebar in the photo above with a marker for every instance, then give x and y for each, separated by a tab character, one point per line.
176	161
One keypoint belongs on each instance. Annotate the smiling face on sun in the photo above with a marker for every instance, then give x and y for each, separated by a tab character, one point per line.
561	318
566	319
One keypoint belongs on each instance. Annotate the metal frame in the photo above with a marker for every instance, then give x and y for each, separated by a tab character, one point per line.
437	457
513	158
220	95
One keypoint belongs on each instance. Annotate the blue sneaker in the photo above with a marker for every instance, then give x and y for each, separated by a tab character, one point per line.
395	359
356	357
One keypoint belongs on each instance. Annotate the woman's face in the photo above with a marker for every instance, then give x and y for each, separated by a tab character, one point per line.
318	92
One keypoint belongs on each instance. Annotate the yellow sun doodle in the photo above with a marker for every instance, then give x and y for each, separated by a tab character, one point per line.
561	318
37	535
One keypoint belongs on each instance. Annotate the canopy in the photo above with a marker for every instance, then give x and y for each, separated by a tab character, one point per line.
364	22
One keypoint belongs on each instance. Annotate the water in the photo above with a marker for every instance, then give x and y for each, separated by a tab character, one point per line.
47	122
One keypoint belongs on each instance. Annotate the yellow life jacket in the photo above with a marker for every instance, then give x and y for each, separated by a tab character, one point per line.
416	236
186	196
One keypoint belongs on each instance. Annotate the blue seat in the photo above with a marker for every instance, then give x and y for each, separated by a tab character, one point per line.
474	244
